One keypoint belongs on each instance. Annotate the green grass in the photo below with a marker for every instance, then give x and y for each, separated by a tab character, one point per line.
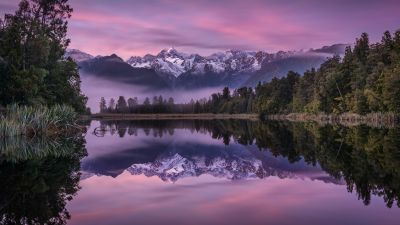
36	121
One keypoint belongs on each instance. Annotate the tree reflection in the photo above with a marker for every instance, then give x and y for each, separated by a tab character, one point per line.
35	188
367	159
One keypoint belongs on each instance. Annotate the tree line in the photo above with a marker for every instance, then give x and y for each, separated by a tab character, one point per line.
158	104
33	70
240	101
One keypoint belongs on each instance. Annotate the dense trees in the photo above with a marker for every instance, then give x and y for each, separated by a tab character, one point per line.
32	65
365	80
241	101
158	104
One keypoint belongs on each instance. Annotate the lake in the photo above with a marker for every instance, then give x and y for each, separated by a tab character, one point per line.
204	172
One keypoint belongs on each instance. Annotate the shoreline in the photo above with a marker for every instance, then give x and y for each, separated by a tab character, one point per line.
346	119
200	116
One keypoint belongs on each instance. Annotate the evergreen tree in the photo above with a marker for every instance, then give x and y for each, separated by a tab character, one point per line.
122	106
32	47
103	105
226	93
132	103
111	105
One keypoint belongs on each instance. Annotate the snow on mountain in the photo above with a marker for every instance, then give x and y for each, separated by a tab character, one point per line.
167	62
77	55
170	61
233	68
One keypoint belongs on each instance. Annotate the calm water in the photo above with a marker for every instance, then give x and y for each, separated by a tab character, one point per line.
205	172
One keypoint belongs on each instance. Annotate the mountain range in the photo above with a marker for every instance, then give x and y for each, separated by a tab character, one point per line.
173	69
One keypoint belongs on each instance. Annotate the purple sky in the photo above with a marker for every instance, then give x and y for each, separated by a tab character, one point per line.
137	27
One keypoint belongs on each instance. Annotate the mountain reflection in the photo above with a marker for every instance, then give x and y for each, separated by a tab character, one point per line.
38	178
365	159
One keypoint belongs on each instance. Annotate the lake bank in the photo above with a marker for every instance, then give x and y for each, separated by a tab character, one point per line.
346	119
201	116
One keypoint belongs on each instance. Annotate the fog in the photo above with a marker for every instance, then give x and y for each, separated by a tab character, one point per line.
95	88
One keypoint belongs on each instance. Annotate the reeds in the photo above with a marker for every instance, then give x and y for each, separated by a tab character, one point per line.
36	121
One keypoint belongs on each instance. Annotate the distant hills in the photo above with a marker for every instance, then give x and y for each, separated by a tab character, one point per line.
171	69
115	69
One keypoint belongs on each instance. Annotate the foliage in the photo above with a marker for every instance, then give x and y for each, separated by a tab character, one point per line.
241	101
365	80
33	69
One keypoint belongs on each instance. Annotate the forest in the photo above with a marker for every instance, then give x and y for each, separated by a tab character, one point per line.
365	80
39	87
33	70
225	102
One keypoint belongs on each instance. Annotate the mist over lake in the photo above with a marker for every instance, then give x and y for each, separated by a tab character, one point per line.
95	88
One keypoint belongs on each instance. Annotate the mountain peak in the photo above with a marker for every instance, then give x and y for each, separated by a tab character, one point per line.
172	50
114	57
77	55
235	61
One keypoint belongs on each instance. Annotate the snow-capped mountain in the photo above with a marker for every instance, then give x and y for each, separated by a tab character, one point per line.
233	68
170	61
166	62
77	55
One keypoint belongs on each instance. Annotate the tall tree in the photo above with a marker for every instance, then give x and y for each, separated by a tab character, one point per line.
103	105
111	105
32	46
122	106
226	93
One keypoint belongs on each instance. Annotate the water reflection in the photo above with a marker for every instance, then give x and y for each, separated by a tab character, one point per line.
38	178
365	159
203	172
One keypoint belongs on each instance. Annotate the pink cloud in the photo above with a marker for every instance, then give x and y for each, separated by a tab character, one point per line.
142	26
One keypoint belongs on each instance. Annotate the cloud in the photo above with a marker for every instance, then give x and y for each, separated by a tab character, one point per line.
205	26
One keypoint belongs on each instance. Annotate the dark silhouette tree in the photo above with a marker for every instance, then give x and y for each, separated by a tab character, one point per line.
103	105
122	106
33	67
